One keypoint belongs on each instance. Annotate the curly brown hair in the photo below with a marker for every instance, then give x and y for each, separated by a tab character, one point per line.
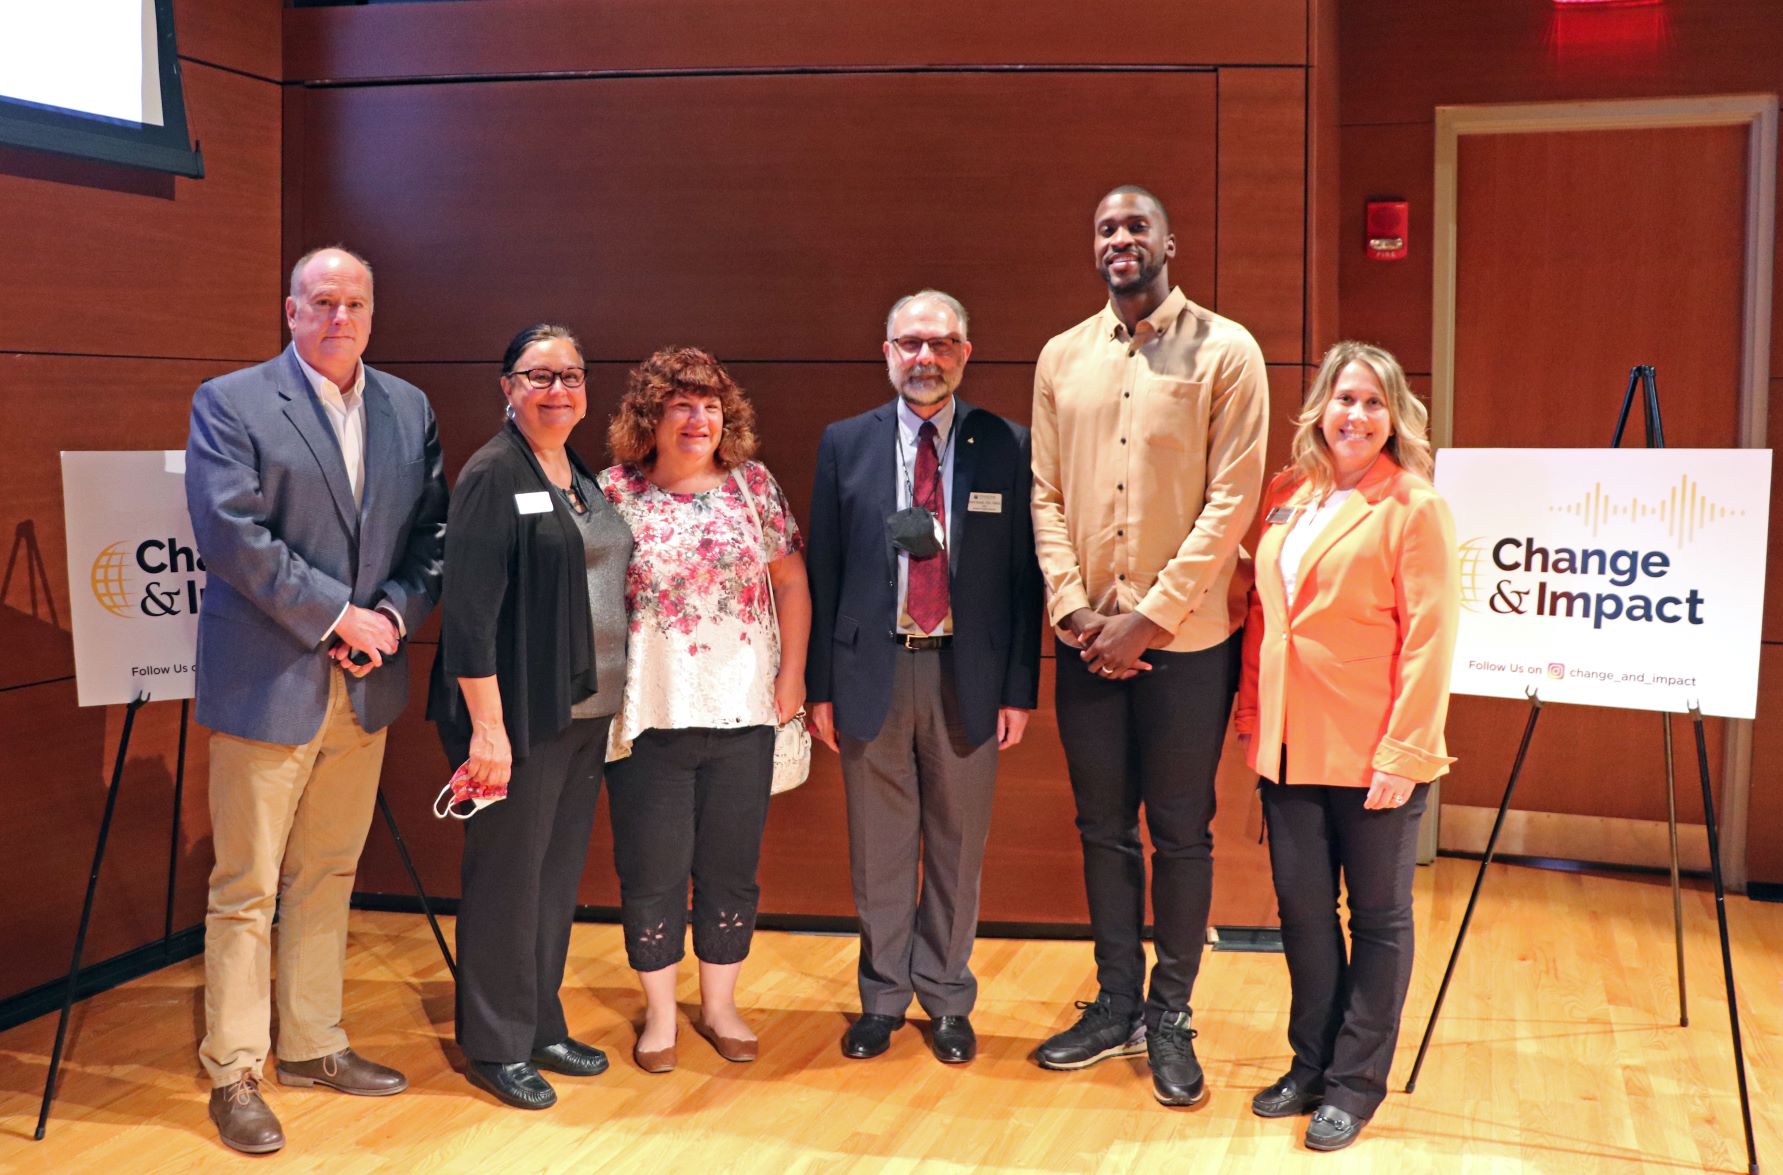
674	371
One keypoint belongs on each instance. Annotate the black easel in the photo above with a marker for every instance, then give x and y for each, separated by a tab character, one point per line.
1641	377
173	849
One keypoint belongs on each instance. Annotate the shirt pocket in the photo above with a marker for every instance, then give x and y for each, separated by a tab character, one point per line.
1173	414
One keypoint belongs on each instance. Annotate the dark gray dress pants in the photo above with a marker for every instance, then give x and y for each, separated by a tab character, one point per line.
919	811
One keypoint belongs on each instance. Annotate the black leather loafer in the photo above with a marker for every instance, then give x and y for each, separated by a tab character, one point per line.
1285	1099
571	1058
870	1035
516	1083
953	1040
1332	1129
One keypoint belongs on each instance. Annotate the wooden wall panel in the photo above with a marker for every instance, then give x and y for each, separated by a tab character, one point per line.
1262	210
243	35
1403	58
1324	180
1553	305
1764	829
59	761
189	271
1388	303
662	208
533	37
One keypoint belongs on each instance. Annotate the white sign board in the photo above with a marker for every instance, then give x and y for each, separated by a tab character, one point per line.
134	576
1611	577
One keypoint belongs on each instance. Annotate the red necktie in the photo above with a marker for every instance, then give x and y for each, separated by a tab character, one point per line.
926	586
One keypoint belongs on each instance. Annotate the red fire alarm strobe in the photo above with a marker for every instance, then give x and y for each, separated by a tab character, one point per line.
1387	229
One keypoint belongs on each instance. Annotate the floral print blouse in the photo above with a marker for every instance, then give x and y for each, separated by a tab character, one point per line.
703	648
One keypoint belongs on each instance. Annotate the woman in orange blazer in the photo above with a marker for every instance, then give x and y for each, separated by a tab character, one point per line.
1341	707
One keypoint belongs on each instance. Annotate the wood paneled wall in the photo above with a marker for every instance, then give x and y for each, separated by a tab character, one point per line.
122	292
1402	59
764	180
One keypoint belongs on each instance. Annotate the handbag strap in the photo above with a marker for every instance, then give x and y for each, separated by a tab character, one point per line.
762	534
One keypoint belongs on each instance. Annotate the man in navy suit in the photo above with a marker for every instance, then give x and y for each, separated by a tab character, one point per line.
923	663
316	496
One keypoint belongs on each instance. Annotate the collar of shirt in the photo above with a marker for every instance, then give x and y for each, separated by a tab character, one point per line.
1153	326
326	389
909	424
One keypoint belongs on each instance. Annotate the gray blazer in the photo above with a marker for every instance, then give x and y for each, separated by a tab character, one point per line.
285	550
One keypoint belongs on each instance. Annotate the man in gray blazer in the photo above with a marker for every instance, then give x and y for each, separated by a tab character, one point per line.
317	499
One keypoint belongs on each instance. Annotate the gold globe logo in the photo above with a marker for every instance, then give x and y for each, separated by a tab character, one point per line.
110	587
1473	558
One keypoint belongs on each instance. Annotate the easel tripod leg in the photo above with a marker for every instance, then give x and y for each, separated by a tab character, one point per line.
1535	709
1671	817
402	850
1733	1004
86	915
173	839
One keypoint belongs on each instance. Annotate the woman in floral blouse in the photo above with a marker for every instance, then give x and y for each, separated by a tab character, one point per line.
709	674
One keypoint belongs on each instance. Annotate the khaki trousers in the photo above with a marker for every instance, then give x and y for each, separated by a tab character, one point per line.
287	824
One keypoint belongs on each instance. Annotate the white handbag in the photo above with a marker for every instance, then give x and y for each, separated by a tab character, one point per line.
792	742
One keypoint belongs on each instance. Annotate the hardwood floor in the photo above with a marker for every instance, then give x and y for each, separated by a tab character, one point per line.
1558	1051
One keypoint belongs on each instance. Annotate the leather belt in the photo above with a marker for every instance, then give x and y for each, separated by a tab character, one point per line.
917	644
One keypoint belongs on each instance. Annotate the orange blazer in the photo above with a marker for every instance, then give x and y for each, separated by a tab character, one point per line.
1354	677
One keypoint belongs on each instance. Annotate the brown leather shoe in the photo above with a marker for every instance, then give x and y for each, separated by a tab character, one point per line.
244	1121
729	1047
659	1061
346	1071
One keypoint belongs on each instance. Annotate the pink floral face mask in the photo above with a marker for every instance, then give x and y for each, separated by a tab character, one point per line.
464	797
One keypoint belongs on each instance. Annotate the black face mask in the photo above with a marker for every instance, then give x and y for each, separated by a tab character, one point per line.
914	531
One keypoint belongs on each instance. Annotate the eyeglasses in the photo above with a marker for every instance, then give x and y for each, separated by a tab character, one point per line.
945	347
541	378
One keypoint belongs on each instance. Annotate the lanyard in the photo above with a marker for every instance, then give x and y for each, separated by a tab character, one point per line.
940	463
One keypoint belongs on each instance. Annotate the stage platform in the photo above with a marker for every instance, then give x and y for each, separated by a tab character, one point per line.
1559	1051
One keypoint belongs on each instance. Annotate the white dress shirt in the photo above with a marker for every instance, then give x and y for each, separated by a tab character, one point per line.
345	409
1307	524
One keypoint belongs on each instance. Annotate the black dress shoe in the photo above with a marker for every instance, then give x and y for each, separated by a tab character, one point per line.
1332	1129
1284	1099
571	1058
953	1040
1176	1074
515	1082
870	1035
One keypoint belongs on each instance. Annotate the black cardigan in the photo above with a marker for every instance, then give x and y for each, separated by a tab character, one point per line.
515	599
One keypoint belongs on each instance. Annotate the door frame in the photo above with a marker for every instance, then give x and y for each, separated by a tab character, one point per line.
1758	114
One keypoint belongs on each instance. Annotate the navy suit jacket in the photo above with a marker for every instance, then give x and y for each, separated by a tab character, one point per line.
994	580
285	549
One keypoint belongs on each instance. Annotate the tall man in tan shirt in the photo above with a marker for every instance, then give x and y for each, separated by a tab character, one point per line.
1148	438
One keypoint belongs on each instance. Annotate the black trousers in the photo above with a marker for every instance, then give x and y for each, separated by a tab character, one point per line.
523	861
1343	1016
1155	740
690	803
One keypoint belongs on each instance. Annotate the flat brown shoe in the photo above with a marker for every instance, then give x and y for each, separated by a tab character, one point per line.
659	1061
244	1121
729	1047
346	1071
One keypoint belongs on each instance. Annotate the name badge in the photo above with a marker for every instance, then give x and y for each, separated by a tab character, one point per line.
985	503
537	502
1279	515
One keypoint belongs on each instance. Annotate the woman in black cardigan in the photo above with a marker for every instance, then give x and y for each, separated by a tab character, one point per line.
530	671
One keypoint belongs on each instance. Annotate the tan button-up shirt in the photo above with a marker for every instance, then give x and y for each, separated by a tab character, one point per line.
1148	466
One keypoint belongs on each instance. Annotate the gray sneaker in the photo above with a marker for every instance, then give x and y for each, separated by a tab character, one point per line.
1100	1033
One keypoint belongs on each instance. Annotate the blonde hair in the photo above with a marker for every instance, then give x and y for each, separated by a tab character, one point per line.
1309	458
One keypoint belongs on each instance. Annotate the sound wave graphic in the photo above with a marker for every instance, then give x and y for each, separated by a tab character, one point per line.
1684	509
